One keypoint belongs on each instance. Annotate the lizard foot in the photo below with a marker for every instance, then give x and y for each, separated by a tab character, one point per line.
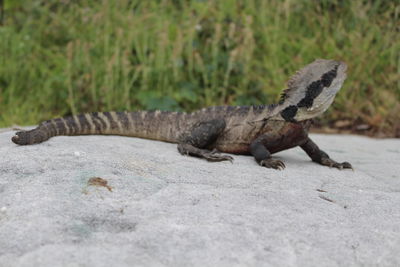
331	163
215	156
187	149
273	163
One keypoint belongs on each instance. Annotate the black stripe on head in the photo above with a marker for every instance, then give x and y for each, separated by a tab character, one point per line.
312	91
289	113
328	77
113	123
316	87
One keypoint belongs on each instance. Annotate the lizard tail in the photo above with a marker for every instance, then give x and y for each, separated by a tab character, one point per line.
157	125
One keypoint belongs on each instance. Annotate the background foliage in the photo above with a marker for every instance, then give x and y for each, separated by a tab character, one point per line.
70	56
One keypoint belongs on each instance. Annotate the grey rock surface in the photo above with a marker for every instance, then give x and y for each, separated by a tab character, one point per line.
168	210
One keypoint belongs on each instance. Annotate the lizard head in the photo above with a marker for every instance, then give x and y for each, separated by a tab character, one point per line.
312	90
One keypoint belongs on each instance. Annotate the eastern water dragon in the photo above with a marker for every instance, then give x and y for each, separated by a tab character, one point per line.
251	130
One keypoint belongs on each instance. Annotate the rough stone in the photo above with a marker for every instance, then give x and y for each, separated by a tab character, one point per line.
165	209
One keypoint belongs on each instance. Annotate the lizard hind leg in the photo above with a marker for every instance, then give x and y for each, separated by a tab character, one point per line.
202	135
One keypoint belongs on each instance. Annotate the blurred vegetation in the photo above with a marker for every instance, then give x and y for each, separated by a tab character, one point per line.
68	56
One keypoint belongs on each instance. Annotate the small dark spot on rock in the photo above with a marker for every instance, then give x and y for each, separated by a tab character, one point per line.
98	181
98	224
327	199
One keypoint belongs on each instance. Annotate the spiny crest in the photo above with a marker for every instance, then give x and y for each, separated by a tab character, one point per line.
290	84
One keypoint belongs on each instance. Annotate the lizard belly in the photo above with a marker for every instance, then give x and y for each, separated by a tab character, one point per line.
234	148
289	136
236	141
280	136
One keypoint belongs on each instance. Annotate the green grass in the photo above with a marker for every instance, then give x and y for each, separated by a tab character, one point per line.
63	57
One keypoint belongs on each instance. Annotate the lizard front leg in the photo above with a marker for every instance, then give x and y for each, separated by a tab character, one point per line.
319	156
202	135
263	156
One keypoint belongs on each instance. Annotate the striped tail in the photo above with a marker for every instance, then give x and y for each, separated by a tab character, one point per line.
157	125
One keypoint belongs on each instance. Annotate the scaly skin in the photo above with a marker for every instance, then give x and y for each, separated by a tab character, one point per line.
256	130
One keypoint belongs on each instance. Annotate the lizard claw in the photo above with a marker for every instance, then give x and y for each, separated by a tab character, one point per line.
343	165
273	163
331	163
187	149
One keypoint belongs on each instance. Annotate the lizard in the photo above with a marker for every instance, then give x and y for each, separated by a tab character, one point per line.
257	130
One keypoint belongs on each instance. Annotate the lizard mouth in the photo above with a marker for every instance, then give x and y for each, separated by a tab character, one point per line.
322	106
